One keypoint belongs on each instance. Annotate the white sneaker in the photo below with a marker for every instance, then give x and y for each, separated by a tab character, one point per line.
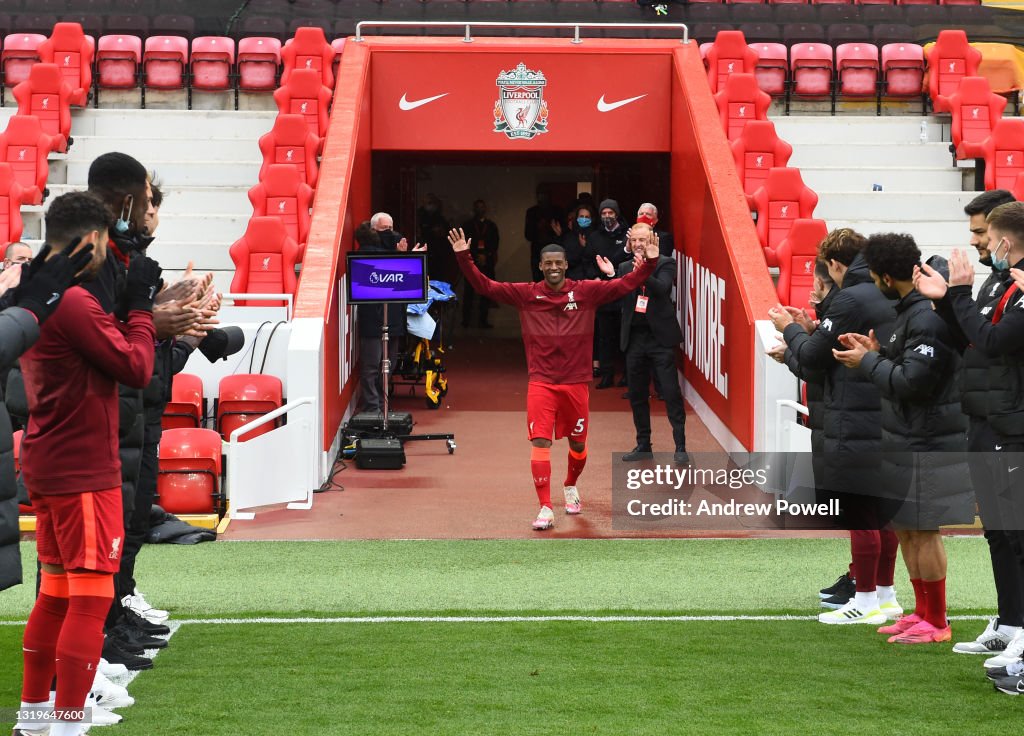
892	609
852	614
572	500
1014	650
112	670
110	695
137	602
100	716
545	519
989	641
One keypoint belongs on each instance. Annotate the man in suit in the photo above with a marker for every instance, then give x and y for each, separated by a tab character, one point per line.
649	336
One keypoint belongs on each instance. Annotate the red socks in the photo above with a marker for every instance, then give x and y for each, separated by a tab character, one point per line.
935	602
866	547
41	633
81	637
577	461
920	597
540	466
889	546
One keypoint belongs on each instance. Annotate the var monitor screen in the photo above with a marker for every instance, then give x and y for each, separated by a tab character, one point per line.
375	278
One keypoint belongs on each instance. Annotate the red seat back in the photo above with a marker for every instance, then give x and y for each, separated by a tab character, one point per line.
1004	154
291	142
25	146
1018	187
783	199
857	68
309	49
212	60
164	62
264	258
338	45
12	196
951	59
69	49
903	69
757	151
975	110
185	409
281	193
796	256
258	61
772	67
739	102
729	54
306	95
117	61
46	95
20	53
188	481
811	69
245	397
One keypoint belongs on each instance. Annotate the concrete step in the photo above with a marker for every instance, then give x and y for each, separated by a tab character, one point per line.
804	129
209	145
891	178
205	255
179	200
173	173
943	234
892	206
221	227
182	124
871	155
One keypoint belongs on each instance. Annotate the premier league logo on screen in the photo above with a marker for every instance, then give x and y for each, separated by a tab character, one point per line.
520	111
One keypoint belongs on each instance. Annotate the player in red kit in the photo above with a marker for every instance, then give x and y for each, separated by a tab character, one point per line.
70	463
557	316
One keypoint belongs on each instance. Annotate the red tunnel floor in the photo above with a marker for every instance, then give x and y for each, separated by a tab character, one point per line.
484	490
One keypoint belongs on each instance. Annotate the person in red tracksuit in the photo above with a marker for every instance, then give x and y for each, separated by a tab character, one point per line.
557	316
70	463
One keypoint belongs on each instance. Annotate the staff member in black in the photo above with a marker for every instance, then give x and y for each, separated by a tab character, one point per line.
649	336
484	250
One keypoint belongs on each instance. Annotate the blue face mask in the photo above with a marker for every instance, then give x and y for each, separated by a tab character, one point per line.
1001	264
583	221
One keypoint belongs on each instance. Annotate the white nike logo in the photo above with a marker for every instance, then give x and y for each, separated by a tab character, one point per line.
53	297
539	296
404	104
603	106
1010	470
999	447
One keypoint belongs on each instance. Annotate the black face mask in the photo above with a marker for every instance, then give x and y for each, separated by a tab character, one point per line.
610	223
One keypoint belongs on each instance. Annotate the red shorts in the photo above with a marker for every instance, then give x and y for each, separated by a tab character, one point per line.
562	410
80	531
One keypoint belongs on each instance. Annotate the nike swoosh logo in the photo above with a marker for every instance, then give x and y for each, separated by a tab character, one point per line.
541	297
404	104
603	106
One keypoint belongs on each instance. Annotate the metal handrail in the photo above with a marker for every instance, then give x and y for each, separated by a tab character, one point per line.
468	37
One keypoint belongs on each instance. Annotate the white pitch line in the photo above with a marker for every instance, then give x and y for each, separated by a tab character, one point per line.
496	619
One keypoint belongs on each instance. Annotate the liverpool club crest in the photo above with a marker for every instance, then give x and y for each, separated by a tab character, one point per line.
520	111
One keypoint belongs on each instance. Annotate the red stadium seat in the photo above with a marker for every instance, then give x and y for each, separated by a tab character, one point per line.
902	70
12	197
1004	154
976	109
212	61
757	151
188	480
960	2
729	54
739	102
1018	188
245	397
281	193
875	2
951	59
185	409
306	95
308	49
857	70
258	61
46	95
811	67
117	62
917	2
291	142
20	53
69	49
796	256
338	45
264	258
783	199
164	62
772	68
25	146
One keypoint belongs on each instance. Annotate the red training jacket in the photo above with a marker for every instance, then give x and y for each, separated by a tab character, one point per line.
558	326
71	377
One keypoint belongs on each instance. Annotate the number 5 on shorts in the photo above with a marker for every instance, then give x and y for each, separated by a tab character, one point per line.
579	427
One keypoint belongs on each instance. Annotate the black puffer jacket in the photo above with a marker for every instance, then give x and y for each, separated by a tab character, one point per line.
924	431
1003	345
581	262
170	359
815	382
611	245
18	331
853	407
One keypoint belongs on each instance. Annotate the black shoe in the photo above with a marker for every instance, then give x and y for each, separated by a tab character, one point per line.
597	372
681	457
605	382
640	452
622	382
125	633
1009	685
844	585
114	653
144	625
837	601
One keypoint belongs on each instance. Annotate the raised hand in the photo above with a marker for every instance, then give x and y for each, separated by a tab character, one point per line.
780	317
929	282
961	272
606	266
458	240
801	317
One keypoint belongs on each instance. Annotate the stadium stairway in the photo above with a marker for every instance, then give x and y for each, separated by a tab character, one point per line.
922	193
205	161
